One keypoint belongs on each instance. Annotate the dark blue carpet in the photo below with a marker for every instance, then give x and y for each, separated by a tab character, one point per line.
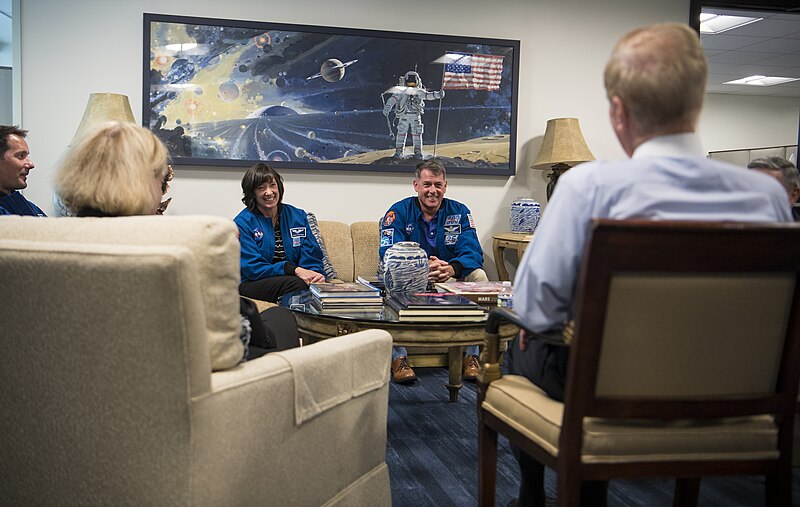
432	457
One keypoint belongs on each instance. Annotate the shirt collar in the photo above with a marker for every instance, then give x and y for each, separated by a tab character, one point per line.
674	145
421	215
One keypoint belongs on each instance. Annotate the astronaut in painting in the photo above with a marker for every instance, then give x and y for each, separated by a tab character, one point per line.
408	101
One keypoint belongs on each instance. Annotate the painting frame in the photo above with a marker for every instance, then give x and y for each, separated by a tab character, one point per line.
231	93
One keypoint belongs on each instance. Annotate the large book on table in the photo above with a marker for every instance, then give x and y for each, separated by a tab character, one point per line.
434	306
348	292
482	293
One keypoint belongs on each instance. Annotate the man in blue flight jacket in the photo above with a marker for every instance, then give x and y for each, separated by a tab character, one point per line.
444	228
15	164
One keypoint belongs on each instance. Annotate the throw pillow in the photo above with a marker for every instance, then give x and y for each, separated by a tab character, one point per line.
330	272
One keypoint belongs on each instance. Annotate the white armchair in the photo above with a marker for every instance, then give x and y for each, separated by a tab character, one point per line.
108	393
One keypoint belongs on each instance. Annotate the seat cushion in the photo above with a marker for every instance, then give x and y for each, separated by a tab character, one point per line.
518	402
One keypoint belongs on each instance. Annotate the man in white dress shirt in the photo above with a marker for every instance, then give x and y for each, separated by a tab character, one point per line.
655	81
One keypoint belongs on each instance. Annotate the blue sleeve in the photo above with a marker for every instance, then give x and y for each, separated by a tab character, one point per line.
544	286
310	251
37	209
3	211
252	261
468	251
392	228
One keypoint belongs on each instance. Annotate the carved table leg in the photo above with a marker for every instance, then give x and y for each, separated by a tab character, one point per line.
498	248
455	357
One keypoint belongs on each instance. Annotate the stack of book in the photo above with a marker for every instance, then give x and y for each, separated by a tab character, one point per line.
482	293
349	297
435	307
372	281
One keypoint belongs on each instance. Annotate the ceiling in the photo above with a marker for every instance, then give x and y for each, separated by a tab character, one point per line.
770	47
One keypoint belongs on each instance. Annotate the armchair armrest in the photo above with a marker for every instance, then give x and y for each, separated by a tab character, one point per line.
250	447
490	357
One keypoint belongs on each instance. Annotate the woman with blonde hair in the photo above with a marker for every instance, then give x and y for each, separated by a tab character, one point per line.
117	169
121	169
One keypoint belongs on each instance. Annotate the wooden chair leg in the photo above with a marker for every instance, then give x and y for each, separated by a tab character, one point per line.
487	464
686	492
568	491
779	489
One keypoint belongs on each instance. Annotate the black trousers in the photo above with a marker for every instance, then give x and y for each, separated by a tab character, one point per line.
273	330
546	366
272	288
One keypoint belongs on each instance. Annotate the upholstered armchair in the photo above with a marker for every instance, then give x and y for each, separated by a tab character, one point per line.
122	385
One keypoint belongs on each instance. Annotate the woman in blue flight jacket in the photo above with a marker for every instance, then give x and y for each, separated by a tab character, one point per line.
279	253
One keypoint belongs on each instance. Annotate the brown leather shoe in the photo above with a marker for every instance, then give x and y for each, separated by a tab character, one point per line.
471	368
402	372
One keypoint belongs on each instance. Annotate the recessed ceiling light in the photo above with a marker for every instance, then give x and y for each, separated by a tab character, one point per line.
717	23
762	80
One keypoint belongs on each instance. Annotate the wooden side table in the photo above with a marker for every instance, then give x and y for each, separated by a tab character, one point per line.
516	240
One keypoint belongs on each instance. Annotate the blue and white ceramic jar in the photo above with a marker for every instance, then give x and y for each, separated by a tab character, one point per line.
405	268
524	215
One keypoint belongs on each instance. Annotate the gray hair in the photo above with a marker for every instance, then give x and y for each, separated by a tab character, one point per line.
434	165
789	174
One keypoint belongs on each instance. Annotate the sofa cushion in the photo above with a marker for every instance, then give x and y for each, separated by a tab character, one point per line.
340	247
212	240
366	243
327	266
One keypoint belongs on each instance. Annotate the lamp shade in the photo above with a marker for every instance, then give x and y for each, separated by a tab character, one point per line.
563	144
103	107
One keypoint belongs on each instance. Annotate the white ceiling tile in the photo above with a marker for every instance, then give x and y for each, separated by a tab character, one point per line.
776	46
790	60
742	57
769	27
730	42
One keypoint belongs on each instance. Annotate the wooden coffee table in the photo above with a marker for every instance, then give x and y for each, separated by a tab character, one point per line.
455	336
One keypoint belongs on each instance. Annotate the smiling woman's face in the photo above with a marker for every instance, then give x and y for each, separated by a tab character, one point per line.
267	197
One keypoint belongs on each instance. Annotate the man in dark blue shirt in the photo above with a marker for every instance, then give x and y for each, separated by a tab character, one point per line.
444	228
15	164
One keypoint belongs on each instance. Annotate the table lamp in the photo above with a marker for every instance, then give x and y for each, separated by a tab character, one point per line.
563	147
103	107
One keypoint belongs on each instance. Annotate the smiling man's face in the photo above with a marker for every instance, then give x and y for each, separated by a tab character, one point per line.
430	191
15	165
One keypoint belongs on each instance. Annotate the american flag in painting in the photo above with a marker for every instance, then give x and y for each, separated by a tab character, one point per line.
472	71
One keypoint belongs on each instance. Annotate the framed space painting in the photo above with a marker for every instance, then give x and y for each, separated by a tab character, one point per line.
232	93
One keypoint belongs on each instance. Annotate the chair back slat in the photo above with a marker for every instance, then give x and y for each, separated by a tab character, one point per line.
673	314
686	334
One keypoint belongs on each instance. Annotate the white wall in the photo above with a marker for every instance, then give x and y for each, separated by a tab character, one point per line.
70	49
6	116
733	122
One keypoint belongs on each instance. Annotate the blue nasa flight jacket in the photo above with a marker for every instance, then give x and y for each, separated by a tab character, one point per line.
257	240
16	204
456	237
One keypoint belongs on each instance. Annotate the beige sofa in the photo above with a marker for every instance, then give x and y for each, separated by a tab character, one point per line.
353	249
112	327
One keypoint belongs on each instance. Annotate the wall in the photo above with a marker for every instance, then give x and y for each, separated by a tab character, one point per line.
732	122
70	49
5	96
